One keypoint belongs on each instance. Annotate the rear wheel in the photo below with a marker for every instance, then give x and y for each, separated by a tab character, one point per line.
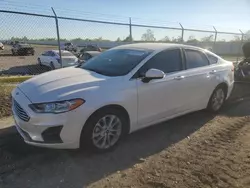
104	129
217	99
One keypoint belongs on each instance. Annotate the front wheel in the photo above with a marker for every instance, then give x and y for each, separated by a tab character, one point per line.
217	99
39	62
104	130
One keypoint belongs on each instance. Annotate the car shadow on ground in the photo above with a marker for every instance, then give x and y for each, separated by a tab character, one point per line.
85	167
78	168
25	70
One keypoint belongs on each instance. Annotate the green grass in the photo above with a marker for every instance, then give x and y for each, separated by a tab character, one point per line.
13	79
5	100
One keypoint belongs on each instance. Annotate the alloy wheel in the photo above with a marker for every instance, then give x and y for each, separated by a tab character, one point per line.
218	99
107	132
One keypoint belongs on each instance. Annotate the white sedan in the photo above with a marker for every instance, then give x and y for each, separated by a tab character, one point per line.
118	92
52	59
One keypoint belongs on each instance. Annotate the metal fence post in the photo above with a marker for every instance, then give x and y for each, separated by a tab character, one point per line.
215	38
130	30
241	42
58	37
182	33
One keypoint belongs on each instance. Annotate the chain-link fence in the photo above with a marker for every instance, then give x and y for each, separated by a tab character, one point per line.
26	37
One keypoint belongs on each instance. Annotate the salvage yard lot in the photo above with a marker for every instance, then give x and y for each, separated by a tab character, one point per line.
16	64
196	150
23	65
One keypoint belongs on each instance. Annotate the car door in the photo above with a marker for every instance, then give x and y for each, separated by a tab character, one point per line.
159	98
51	57
44	58
198	80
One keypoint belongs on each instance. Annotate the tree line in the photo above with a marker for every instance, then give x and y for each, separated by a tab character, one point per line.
147	36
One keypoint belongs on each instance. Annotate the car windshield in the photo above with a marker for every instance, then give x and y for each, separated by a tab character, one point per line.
117	62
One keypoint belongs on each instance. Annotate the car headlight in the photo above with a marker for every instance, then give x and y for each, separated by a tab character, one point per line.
57	107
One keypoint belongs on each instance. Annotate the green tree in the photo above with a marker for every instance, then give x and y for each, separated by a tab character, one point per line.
247	35
207	38
236	38
177	39
127	39
166	39
148	36
192	39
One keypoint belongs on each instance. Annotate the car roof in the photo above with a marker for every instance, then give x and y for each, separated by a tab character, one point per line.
154	46
57	51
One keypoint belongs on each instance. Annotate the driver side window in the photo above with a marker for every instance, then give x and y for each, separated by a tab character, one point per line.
167	61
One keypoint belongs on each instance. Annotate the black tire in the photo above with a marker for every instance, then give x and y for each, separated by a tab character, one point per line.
13	53
211	105
88	130
39	62
52	67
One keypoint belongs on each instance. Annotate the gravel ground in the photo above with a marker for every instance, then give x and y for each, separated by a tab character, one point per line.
22	64
196	150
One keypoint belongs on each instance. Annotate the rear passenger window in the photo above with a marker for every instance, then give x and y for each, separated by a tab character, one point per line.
166	61
195	59
212	59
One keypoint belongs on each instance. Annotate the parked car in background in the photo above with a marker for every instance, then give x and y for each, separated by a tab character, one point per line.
90	48
69	47
118	92
22	49
88	55
1	46
52	59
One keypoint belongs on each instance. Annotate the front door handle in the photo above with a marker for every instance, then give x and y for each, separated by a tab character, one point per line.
179	77
213	72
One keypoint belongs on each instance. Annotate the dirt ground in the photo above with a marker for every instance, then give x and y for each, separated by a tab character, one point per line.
196	150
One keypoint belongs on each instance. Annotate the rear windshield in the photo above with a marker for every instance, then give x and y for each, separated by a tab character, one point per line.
65	54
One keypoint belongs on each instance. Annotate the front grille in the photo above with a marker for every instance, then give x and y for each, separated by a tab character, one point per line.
20	111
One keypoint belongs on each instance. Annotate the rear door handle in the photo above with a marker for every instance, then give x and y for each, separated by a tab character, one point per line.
213	72
179	77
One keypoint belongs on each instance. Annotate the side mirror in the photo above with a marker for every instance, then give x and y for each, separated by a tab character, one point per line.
152	74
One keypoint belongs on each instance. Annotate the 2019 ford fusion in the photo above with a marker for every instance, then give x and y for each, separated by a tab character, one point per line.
122	90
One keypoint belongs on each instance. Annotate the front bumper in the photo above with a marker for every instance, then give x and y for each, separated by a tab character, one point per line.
60	131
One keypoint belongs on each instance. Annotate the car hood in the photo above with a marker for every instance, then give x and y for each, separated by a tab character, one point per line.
60	84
